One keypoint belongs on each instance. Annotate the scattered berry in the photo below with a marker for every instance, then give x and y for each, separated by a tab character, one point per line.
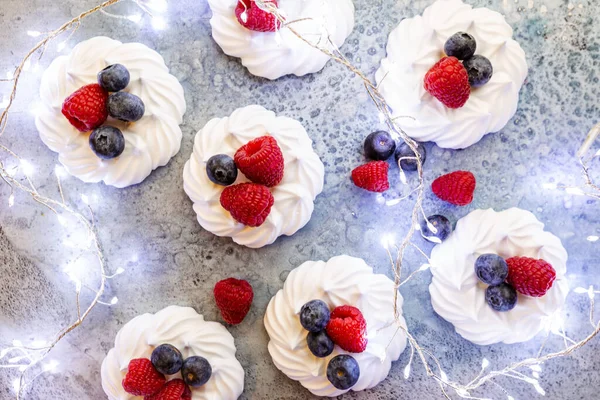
460	45
529	276
479	69
196	371
261	160
448	82
114	78
348	329
343	371
125	107
233	298
167	359
441	224
403	151
142	378
379	146
319	343
250	16
248	203
455	188
221	170
314	315
175	389
372	176
107	142
86	108
491	269
502	297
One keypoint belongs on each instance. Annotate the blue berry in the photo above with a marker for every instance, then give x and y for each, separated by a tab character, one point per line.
460	45
114	78
107	142
441	224
314	315
196	371
221	169
125	107
491	269
379	146
167	359
404	151
343	371
480	70
319	343
502	297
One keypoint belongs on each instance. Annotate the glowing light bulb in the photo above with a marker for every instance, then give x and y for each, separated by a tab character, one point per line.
591	293
593	238
575	191
60	171
244	17
387	240
407	371
34	33
16	385
119	271
425	267
443	376
11	200
403	177
159	23
114	301
135	18
85	199
485	363
27	167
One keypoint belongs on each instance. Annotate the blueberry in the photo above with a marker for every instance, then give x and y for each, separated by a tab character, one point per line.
319	343
379	146
125	107
314	315
114	78
502	297
441	224
167	359
460	45
480	70
196	371
343	371
107	142
404	151
491	269
221	169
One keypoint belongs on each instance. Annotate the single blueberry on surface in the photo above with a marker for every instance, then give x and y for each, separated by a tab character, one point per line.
379	146
403	151
319	343
502	297
343	371
196	371
125	107
314	315
221	169
491	269
167	359
480	70
460	45
443	229
107	142
114	78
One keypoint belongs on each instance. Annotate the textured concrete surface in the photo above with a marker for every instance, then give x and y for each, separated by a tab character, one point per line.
150	229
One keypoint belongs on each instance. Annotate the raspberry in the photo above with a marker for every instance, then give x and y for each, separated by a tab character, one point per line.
142	378
261	161
173	390
448	81
86	108
248	203
233	297
348	329
256	19
529	276
456	188
372	176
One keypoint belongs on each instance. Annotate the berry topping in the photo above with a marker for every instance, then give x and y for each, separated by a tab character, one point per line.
491	269
167	359
248	203
319	343
173	390
348	329
343	371
379	145
125	107
86	108
455	188
114	78
250	16
460	45
142	378
443	229
404	156
529	276
502	297
448	82
479	69
107	142
314	315
372	176
221	170
233	298
196	371
261	160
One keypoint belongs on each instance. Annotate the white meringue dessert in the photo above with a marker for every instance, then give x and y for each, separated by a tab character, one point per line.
275	54
418	43
458	296
149	143
294	196
185	329
343	280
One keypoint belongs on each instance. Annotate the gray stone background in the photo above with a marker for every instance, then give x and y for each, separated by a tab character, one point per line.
151	231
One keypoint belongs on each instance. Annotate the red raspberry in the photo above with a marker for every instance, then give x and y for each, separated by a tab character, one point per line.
173	390
456	188
372	176
257	19
261	160
348	329
529	276
248	203
233	297
86	108
448	81
142	378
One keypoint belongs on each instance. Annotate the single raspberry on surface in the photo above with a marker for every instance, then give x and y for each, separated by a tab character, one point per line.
348	329
529	276
248	203
456	187
372	176
261	160
86	108
142	378
173	390
448	81
250	16
233	297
